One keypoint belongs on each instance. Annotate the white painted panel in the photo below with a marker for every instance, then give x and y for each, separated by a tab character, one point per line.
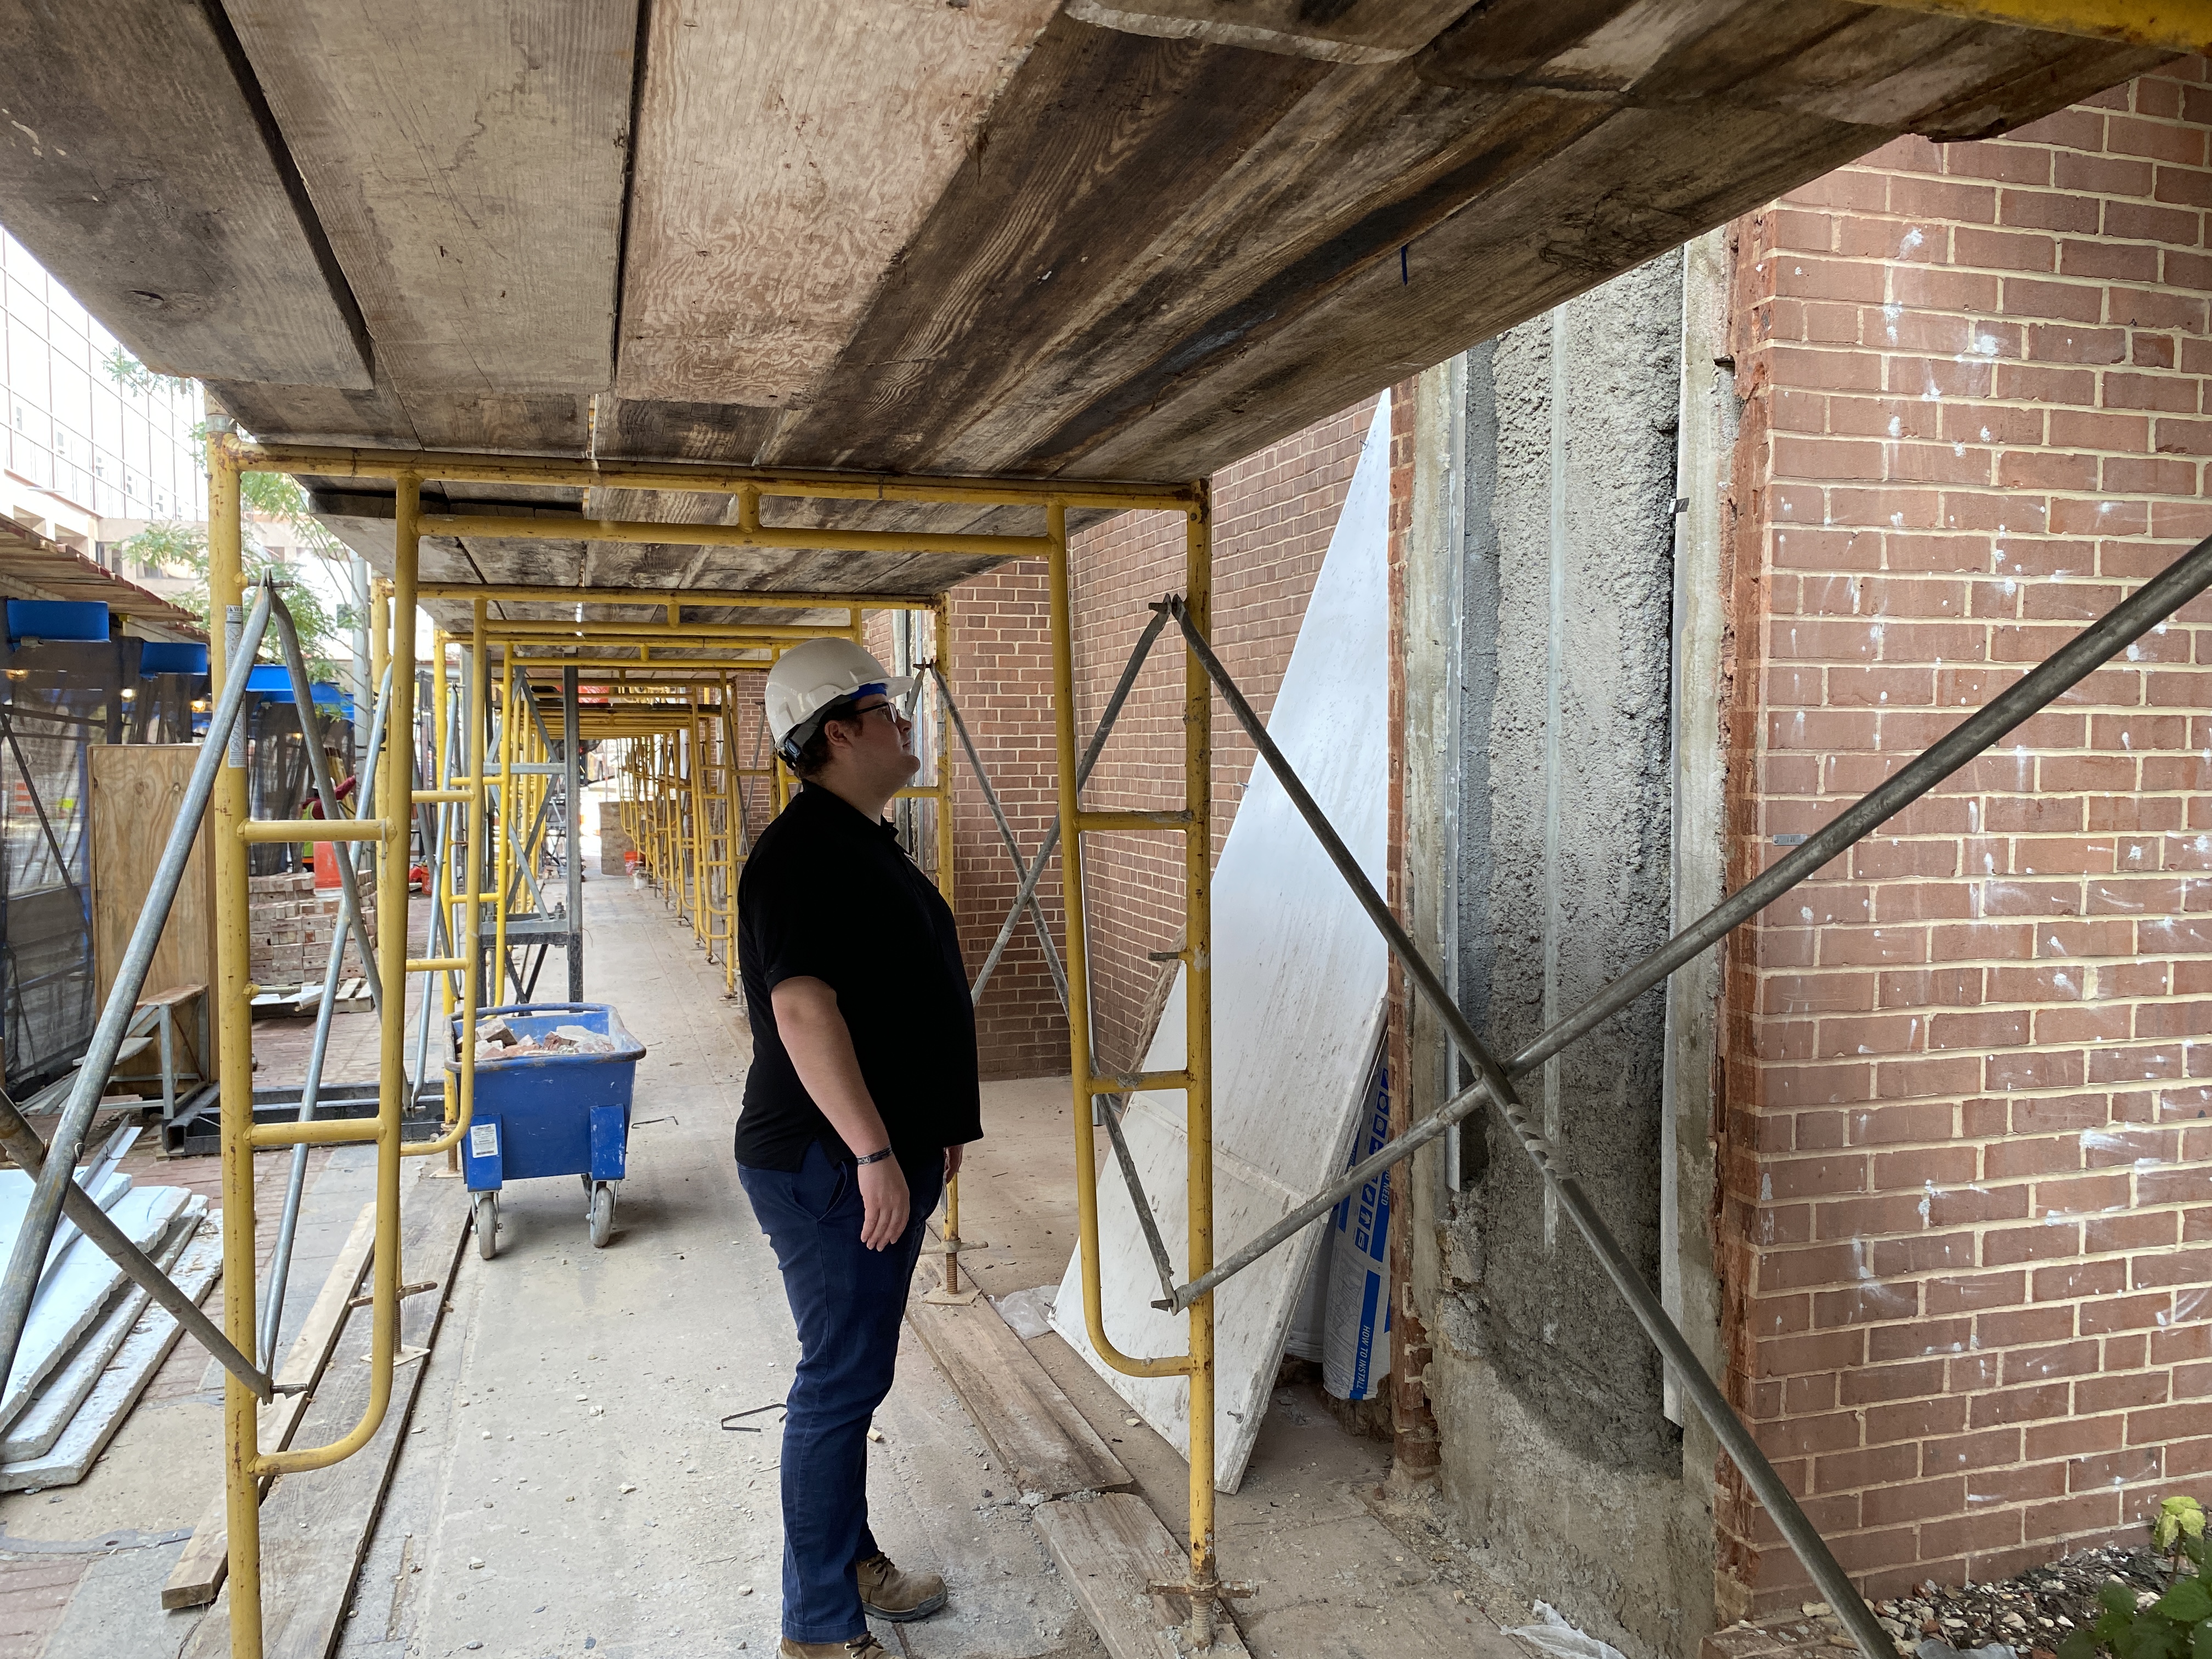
1299	985
69	1306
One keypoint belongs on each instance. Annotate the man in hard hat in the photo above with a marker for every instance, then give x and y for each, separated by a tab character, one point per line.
862	1095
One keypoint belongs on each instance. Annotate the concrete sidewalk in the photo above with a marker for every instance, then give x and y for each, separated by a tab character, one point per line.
566	1487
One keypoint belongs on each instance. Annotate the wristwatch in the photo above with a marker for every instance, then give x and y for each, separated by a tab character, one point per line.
874	1157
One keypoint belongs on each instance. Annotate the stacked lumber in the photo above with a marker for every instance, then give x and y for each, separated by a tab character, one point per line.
289	1001
93	1338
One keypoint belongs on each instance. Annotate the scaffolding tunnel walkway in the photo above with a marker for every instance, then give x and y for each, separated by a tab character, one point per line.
480	774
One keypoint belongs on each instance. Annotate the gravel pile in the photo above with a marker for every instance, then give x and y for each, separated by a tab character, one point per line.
2032	1613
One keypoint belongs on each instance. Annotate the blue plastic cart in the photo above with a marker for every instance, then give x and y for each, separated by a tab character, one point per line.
549	1114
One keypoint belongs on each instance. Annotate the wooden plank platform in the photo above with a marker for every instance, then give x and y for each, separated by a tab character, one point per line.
1041	1439
200	1571
1109	1548
316	1526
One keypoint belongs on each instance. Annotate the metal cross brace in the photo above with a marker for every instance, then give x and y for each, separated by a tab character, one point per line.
55	1179
1147	1222
1113	712
23	1145
2097	644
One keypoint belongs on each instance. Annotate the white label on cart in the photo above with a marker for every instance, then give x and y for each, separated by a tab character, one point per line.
484	1140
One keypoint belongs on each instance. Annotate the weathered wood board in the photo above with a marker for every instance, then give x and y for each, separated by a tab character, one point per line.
785	154
206	1562
1298	984
315	1527
466	163
1116	238
123	1380
141	173
1109	1548
1041	1439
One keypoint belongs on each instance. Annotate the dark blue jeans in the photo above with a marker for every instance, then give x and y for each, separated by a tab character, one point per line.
846	1301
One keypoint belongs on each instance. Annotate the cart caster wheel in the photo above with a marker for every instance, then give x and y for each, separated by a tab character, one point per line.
602	1215
485	1207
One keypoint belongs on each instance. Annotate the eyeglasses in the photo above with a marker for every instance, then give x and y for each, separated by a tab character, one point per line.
886	708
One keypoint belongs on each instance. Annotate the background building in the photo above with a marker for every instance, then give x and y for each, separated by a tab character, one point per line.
96	448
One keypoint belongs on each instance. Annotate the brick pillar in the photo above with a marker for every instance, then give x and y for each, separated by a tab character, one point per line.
1415	1451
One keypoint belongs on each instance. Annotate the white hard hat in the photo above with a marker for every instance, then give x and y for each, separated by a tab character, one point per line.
808	678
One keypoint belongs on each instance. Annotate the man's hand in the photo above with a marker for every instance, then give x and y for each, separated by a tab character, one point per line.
884	1203
953	1161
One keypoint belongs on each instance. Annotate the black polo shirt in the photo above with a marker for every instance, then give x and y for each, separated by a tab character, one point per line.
828	895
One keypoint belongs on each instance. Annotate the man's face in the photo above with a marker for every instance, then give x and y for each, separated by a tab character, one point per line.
878	742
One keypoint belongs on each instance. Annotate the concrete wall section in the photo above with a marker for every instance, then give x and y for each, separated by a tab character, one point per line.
1549	1401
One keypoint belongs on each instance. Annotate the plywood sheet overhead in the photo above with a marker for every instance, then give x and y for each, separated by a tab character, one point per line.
1298	984
467	163
785	154
1055	238
138	169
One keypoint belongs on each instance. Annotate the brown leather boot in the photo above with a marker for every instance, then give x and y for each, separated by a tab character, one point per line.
865	1647
887	1593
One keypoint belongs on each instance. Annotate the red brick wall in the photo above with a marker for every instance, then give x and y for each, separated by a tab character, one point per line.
1966	1243
1002	677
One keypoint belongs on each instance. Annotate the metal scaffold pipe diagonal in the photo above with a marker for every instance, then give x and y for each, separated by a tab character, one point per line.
2051	679
1155	1244
28	1258
2086	652
295	1181
1006	836
319	773
1804	1539
1091	753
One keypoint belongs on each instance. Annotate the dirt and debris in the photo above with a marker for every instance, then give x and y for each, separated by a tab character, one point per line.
2034	1611
2030	1614
497	1040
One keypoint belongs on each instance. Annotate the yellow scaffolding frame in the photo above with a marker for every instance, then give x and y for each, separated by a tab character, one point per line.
665	755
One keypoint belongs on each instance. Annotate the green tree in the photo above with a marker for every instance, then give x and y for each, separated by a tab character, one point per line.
173	545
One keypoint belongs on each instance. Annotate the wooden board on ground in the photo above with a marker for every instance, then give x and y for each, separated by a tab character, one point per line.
1109	1548
201	1569
315	1527
53	1409
1040	1437
125	1379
